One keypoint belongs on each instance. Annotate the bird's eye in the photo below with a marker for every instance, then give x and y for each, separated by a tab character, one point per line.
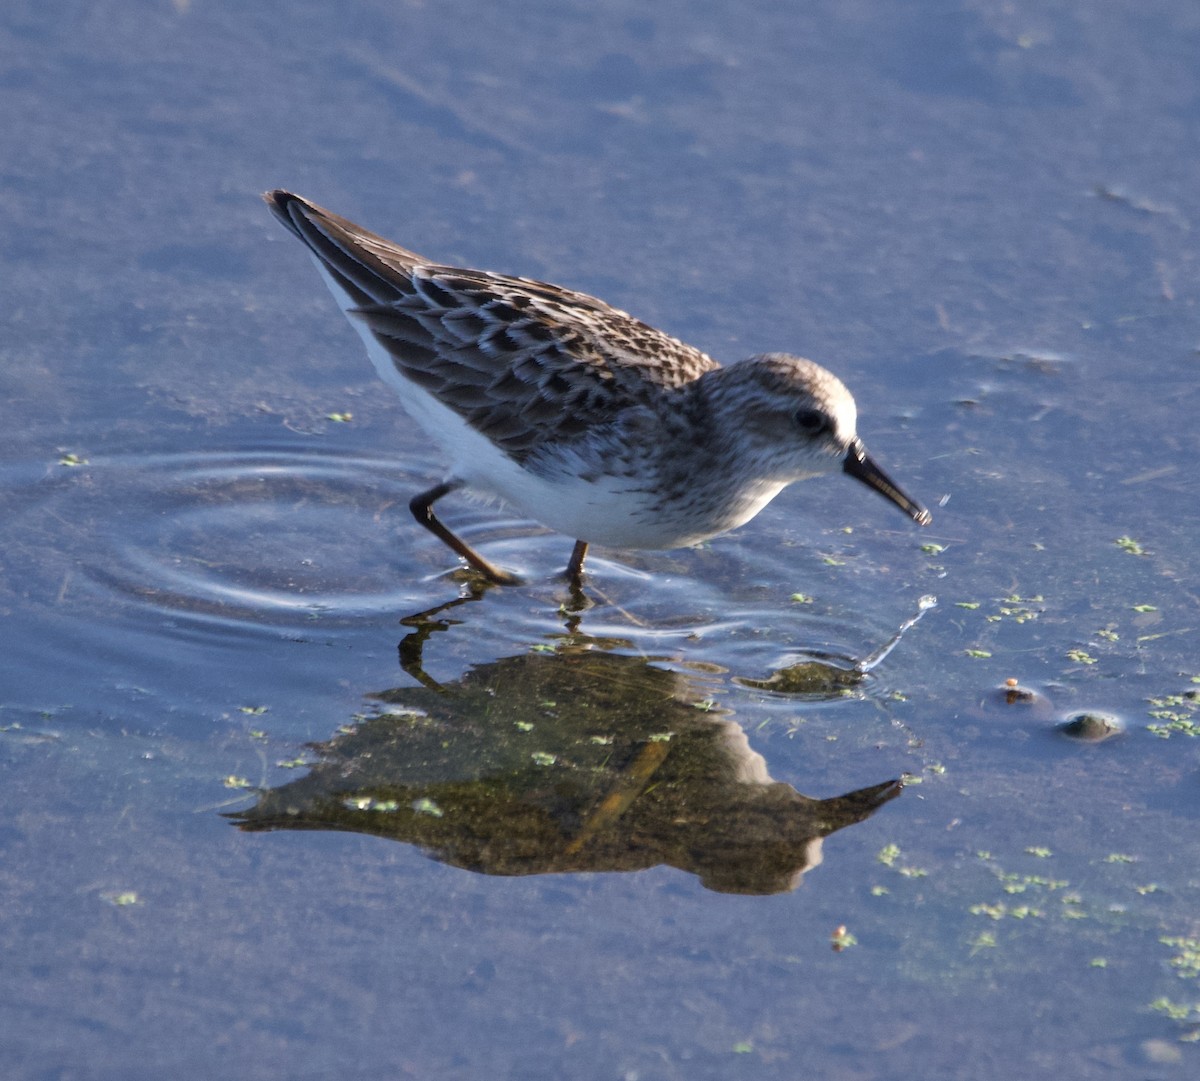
811	421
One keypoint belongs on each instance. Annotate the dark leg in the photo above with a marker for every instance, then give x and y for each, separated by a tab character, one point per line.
422	509
580	602
575	566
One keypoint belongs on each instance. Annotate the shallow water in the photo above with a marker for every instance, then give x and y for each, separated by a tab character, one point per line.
617	838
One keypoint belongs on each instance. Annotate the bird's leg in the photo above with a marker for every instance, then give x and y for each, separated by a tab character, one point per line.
579	601
422	510
575	566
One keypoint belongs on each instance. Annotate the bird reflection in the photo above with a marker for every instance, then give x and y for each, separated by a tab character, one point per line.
573	759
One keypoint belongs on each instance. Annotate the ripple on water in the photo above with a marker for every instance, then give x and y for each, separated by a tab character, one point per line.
297	540
272	537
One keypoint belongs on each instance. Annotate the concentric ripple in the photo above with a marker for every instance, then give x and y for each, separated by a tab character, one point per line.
277	536
261	536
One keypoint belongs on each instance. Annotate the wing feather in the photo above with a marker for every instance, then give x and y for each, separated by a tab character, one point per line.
525	362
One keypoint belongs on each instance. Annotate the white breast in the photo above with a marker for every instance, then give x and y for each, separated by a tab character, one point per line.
610	510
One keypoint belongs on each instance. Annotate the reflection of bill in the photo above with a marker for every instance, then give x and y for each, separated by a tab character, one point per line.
571	761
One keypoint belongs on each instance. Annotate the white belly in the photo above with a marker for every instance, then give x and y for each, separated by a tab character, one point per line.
610	511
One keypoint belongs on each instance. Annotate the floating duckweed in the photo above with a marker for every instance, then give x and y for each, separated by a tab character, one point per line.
426	806
888	855
986	940
122	898
993	912
1176	1011
1187	962
1024	912
1173	719
370	803
1018	608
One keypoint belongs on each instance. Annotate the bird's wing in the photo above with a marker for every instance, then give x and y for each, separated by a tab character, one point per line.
524	362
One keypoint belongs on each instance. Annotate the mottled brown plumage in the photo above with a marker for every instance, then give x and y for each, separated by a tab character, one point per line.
523	361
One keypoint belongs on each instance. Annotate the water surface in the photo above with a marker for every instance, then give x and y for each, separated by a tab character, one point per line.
642	837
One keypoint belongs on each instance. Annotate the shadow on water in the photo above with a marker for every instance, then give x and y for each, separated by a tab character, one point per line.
576	758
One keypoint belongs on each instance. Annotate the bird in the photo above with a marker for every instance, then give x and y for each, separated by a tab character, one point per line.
575	413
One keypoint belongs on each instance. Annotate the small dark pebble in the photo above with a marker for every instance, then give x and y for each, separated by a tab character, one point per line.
809	678
1092	727
1015	693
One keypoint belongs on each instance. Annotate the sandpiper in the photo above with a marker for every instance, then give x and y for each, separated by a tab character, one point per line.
579	415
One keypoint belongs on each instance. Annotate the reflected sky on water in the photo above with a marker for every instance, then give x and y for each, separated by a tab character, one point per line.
981	217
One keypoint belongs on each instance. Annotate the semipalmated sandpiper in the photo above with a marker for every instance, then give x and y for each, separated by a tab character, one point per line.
576	414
